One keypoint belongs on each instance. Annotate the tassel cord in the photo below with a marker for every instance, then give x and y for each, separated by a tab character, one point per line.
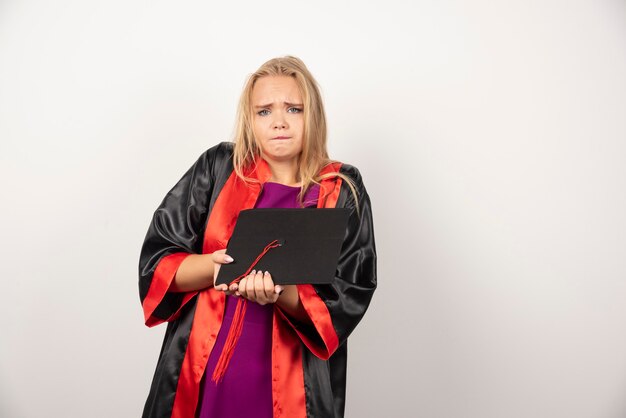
236	327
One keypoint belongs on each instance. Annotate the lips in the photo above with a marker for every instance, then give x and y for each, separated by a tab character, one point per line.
281	137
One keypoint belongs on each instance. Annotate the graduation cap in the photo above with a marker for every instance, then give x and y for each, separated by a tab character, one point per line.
297	246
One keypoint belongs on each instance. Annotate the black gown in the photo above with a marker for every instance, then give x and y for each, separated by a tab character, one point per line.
319	366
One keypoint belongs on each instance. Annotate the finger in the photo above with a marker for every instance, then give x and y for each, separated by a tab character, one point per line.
250	286
268	287
242	287
278	290
259	288
227	290
221	257
233	288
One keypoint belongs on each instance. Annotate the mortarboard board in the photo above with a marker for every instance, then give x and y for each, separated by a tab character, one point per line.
297	246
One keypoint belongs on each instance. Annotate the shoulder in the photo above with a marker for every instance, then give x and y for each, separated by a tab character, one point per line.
352	173
353	191
212	165
220	152
353	176
214	160
344	170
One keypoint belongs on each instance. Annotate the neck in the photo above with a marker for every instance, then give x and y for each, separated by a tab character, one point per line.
284	172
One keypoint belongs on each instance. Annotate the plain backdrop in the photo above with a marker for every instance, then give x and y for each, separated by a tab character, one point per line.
491	139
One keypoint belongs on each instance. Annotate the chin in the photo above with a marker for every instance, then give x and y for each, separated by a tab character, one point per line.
281	157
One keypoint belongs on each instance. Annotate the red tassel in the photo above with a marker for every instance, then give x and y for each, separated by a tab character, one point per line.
231	341
236	326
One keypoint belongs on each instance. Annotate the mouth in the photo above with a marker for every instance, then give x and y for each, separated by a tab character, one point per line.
281	137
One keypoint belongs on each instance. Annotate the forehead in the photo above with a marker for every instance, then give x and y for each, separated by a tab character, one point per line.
272	89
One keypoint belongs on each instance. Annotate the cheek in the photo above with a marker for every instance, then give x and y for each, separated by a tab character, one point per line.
257	130
256	134
299	125
258	142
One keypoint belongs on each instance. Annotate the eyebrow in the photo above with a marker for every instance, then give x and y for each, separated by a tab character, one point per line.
270	105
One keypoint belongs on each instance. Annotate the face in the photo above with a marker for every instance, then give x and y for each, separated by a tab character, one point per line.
278	118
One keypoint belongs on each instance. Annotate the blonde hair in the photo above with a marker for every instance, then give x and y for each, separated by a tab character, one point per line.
314	155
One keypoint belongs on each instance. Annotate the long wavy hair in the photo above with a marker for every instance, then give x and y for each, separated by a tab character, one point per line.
314	155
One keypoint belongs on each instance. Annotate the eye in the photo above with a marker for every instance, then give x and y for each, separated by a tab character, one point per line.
295	109
261	112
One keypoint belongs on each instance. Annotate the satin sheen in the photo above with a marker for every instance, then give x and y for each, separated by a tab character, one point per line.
309	363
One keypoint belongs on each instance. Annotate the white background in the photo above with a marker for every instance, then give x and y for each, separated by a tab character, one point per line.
491	138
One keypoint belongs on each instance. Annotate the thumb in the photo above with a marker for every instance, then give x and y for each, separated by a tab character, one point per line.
221	257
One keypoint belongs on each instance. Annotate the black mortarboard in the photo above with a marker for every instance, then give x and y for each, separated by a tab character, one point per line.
304	244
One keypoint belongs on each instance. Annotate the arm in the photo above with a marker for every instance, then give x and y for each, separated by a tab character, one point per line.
194	273
289	301
335	309
198	271
174	235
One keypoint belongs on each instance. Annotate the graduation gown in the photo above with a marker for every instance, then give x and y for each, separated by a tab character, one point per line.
197	216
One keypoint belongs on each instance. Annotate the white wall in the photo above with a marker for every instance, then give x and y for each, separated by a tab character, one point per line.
491	137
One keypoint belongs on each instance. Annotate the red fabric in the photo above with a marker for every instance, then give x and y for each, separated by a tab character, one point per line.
320	317
234	197
161	281
206	325
330	188
287	374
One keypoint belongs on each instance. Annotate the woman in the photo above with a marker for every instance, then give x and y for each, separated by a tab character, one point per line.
290	360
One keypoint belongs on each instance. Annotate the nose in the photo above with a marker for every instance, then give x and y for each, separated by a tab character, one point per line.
279	121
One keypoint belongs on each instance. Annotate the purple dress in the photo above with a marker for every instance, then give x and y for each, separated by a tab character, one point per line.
250	366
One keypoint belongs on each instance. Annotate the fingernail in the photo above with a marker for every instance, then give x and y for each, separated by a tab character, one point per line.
229	259
278	290
267	273
253	272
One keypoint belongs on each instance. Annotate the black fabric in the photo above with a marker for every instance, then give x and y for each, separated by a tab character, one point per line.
319	394
179	222
160	400
325	383
178	225
347	297
338	365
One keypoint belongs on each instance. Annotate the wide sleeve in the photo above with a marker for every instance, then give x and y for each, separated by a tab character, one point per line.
175	232
335	309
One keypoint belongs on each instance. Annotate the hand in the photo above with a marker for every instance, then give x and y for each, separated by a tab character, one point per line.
220	257
259	287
